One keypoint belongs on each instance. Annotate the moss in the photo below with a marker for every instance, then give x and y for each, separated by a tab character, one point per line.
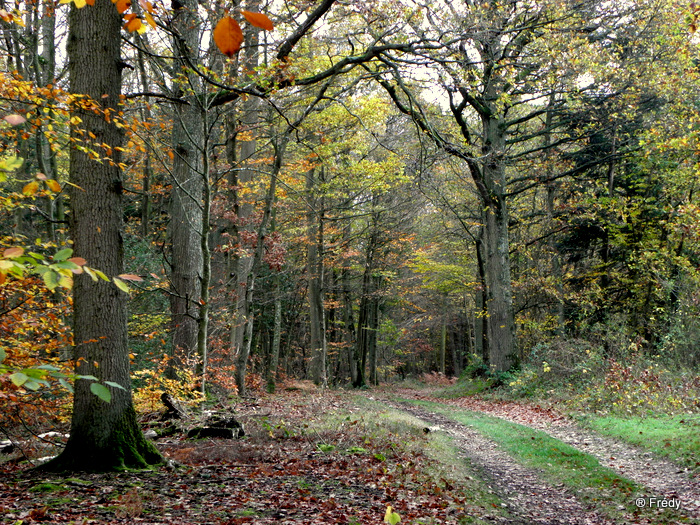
125	448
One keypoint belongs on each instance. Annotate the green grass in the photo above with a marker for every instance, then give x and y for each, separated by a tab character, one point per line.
396	432
675	437
594	484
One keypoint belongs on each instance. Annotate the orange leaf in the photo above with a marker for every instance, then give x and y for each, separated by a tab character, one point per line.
228	36
31	188
78	260
130	277
53	186
40	176
123	5
11	253
90	2
258	20
150	20
129	17
148	6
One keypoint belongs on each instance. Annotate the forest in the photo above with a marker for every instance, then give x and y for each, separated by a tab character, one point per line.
216	201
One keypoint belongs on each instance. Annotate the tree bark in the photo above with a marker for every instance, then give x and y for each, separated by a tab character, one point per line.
186	196
104	435
314	271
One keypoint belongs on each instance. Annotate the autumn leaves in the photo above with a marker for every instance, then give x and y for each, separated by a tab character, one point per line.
228	35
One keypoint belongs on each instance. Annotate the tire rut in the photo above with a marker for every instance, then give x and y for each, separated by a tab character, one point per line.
526	496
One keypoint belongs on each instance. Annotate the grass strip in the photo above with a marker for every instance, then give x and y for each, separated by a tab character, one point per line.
396	434
598	486
675	437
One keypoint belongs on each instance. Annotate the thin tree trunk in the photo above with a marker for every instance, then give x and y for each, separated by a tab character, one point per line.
314	270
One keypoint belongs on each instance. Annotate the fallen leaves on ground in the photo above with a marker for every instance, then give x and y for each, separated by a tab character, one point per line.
278	474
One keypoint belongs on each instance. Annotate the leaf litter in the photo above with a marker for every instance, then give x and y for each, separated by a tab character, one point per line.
277	474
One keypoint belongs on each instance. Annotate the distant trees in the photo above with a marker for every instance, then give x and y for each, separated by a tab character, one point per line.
419	186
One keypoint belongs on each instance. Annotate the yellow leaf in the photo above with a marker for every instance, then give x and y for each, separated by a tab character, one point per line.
53	186
228	36
31	188
121	285
258	20
150	20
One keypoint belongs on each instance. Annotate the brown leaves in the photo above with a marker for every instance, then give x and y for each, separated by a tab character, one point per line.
228	35
258	20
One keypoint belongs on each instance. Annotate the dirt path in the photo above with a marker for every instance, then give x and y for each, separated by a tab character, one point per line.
663	478
526	496
531	499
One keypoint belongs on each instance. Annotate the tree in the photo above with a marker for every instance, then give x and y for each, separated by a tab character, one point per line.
104	435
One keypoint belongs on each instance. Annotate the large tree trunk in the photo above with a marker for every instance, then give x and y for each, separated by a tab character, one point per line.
186	195
104	435
499	307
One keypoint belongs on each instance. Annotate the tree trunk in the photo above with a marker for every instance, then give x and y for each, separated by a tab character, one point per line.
104	435
314	270
186	196
276	340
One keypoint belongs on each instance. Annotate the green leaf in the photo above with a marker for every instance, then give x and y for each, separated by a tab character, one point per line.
50	368
323	447
62	255
89	378
66	265
3	355
101	275
18	378
51	279
32	384
101	391
115	385
65	384
391	517
10	163
35	373
121	285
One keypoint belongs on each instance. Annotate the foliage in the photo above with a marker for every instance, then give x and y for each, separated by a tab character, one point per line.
152	382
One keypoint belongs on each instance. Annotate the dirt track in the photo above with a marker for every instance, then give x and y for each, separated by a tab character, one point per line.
530	499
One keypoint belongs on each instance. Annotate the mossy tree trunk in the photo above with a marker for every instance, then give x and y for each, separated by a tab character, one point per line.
104	436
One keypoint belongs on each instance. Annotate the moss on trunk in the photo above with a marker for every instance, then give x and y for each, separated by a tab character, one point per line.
123	449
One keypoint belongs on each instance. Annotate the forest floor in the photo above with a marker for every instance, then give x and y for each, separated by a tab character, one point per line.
344	457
